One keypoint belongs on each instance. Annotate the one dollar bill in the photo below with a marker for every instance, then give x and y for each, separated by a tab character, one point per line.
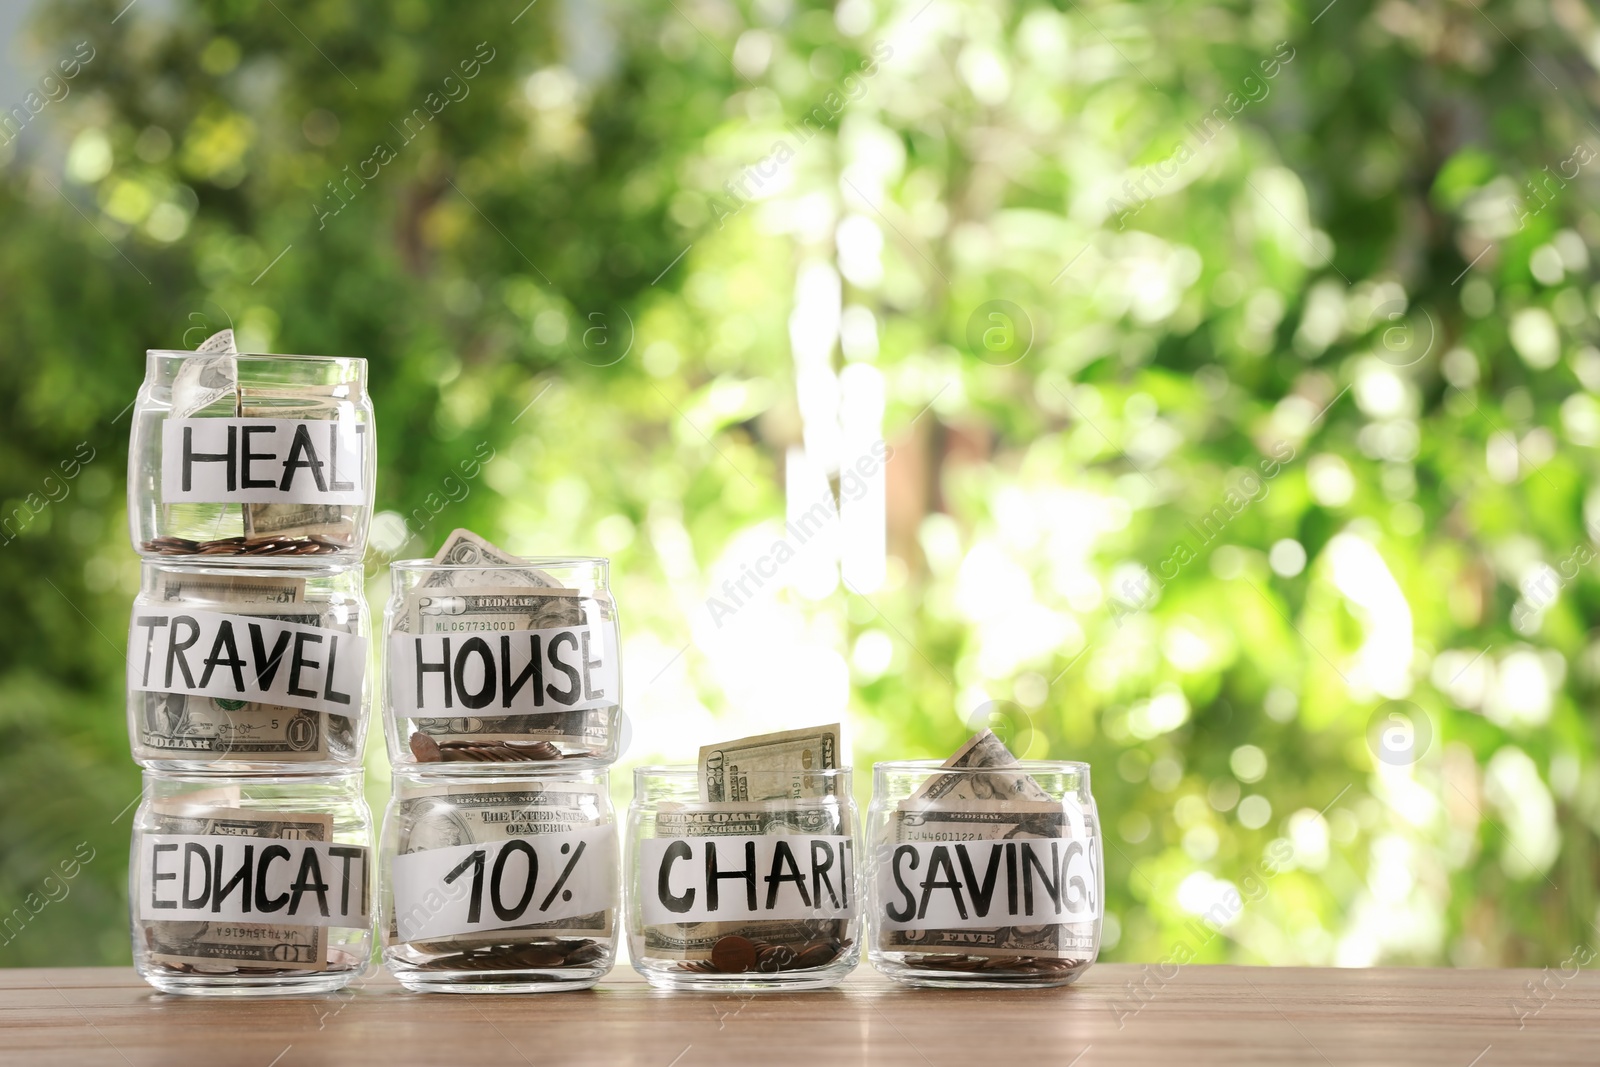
772	766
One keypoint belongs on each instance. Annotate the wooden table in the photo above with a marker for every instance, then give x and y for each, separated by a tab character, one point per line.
1214	1015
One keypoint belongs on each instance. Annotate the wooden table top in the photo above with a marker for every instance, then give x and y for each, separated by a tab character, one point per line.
1237	1016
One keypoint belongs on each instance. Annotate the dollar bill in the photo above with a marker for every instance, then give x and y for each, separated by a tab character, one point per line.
230	589
983	750
464	813
207	379
990	821
225	947
694	941
195	726
489	610
463	548
334	522
771	766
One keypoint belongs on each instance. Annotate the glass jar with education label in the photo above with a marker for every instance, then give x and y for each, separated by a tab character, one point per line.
251	455
496	668
752	895
251	886
242	668
984	876
499	884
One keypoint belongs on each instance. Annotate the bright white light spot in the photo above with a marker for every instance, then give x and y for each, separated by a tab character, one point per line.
1287	557
1249	763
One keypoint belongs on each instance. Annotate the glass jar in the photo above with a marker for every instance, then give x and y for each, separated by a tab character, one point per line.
251	886
503	884
986	876
490	665
235	455
741	895
242	668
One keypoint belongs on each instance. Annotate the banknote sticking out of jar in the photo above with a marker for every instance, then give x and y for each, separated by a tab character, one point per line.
500	664
252	668
257	886
741	871
236	454
502	884
984	870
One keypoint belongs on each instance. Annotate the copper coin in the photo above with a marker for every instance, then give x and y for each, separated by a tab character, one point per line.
815	955
733	954
534	750
424	748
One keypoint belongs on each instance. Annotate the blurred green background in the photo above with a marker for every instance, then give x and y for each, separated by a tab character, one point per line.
1236	364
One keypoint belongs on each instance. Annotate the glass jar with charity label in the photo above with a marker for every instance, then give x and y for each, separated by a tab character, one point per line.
983	876
502	883
499	668
742	894
251	886
242	667
251	455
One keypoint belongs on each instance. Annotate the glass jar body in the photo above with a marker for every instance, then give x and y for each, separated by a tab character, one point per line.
502	884
251	455
754	896
237	668
989	876
251	886
491	668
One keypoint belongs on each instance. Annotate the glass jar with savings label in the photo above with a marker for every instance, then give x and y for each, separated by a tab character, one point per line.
251	886
499	884
497	668
251	455
985	876
745	894
243	668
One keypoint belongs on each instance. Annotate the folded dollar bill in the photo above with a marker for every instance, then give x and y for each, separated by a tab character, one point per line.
771	766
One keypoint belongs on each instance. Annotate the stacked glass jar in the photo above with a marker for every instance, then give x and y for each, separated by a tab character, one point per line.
503	712
250	486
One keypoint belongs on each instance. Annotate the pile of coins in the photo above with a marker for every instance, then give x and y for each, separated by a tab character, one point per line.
311	545
738	955
523	955
427	750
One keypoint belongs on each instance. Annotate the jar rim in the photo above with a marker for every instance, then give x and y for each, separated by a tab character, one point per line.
523	563
691	770
263	357
1042	766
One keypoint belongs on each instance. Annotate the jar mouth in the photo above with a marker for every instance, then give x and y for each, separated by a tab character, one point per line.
690	770
523	563
1042	766
255	357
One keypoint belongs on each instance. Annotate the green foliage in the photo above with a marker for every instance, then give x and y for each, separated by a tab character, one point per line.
1337	324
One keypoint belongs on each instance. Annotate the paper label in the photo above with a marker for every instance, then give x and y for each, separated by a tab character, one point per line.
262	461
245	658
773	876
220	879
463	889
971	885
514	672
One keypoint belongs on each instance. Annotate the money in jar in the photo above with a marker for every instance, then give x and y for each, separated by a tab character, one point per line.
251	886
496	663
499	884
242	668
985	870
741	871
235	454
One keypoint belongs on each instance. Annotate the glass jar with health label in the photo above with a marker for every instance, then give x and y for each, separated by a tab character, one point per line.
238	454
755	894
243	667
499	884
496	667
251	886
987	875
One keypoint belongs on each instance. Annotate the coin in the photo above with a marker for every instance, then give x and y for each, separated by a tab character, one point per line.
733	954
